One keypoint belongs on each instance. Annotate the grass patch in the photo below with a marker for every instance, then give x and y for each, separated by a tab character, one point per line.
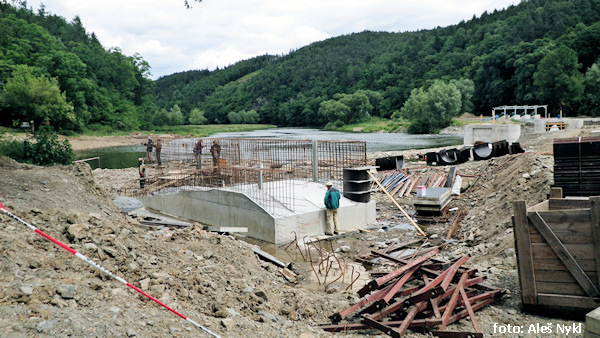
462	122
375	125
209	129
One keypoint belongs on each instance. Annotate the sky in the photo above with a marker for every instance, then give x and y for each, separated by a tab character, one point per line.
218	33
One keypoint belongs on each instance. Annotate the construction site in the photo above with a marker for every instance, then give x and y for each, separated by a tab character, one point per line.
232	243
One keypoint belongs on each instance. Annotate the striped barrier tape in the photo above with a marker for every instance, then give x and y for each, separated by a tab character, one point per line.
94	264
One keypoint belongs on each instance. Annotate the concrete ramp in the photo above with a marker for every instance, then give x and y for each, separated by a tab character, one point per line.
227	208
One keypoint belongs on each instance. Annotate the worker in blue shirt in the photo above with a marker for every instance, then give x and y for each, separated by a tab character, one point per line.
332	203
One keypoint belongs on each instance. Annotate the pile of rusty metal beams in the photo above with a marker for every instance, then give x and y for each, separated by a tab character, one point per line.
424	293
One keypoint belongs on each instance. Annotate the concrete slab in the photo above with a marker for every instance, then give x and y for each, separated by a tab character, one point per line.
233	208
491	133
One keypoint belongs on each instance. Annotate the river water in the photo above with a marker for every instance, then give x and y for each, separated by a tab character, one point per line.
127	156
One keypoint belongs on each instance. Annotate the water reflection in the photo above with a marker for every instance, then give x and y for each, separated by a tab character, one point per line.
127	156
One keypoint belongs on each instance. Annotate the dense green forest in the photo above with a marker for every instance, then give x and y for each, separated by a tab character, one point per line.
54	72
536	52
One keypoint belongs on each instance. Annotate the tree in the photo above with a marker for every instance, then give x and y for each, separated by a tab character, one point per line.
47	149
557	79
432	109
333	111
592	90
38	98
197	116
175	116
466	88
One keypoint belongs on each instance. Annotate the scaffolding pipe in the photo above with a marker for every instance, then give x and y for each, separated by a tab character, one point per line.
315	161
260	176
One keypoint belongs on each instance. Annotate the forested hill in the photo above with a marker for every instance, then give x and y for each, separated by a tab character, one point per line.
52	71
537	52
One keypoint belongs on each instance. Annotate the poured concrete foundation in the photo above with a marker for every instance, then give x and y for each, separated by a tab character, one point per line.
490	133
540	126
224	208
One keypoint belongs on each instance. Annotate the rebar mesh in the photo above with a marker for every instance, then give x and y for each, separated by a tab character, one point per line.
262	169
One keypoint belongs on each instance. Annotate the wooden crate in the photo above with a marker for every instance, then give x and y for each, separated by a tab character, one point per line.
558	252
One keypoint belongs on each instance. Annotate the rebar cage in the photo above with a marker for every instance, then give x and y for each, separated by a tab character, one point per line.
263	169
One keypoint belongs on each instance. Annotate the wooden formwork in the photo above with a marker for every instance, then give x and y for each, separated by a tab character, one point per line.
558	253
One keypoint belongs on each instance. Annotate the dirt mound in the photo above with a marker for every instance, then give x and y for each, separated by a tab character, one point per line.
467	116
215	280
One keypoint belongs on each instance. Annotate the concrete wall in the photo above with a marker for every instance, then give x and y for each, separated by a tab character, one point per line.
539	126
217	208
231	209
491	133
351	216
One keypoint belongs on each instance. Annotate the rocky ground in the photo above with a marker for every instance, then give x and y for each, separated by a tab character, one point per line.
216	280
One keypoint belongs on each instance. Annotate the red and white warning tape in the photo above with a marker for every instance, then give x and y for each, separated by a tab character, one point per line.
94	264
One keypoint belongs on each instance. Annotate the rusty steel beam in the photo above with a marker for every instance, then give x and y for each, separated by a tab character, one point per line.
453	301
453	334
425	322
380	305
452	271
364	301
381	327
377	283
400	283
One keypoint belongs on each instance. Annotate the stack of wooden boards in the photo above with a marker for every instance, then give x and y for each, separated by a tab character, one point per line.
435	200
400	183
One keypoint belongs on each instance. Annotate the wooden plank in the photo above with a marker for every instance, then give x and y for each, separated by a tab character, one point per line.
573	216
569	203
540	206
578	251
524	255
565	237
595	224
398	205
556	192
572	289
560	276
555	264
268	257
564	255
568	301
226	229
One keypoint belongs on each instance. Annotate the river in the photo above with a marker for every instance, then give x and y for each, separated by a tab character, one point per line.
127	156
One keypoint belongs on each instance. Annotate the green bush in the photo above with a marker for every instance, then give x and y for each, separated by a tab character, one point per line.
47	149
12	148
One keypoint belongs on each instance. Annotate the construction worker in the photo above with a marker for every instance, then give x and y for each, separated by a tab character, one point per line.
215	152
198	154
149	146
142	171
158	147
332	203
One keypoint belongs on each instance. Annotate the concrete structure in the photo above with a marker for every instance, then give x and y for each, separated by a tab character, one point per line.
491	133
229	208
515	109
539	126
592	323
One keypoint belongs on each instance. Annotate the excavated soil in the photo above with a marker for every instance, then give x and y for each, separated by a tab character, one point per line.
216	280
